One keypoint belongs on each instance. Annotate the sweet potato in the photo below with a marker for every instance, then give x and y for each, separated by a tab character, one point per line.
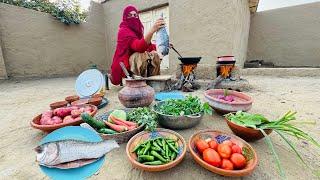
46	121
68	119
56	119
75	113
62	112
48	113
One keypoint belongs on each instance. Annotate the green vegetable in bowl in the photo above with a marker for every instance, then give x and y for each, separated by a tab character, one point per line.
191	105
282	126
144	116
119	114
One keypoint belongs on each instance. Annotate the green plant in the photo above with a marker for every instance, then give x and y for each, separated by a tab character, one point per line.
179	107
66	11
144	116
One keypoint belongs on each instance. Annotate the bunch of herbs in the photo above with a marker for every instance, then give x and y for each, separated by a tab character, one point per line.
191	105
144	116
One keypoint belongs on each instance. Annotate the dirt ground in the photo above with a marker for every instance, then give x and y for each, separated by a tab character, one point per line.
273	96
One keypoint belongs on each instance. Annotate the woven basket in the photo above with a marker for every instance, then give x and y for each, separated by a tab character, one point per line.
123	137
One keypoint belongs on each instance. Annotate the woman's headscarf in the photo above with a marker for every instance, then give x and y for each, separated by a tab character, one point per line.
129	29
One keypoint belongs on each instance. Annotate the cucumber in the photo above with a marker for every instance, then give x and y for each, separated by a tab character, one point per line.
107	131
93	122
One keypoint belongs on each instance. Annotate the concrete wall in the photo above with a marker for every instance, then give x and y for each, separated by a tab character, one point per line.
207	28
3	71
287	37
35	44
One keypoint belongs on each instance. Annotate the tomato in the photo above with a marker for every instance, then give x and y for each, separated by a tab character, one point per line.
226	164
213	144
238	160
201	145
236	149
228	142
224	150
212	157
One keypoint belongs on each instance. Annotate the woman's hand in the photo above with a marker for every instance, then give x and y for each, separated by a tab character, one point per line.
157	25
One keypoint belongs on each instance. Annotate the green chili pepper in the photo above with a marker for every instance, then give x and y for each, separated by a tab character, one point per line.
163	143
153	163
155	144
137	147
167	150
146	158
147	148
159	142
172	148
155	154
155	148
141	151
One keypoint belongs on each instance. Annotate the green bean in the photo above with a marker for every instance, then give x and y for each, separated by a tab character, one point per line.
155	148
163	143
173	156
167	150
155	154
154	143
159	142
172	148
137	147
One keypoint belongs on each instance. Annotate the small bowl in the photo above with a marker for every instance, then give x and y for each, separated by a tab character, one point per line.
252	159
177	122
95	101
143	136
246	133
71	99
242	101
35	123
58	104
122	137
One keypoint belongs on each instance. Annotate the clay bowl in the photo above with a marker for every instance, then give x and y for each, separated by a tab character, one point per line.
143	136
119	137
35	123
246	133
177	122
242	101
251	155
95	101
58	104
71	99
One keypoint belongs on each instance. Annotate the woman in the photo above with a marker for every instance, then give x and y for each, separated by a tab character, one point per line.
131	41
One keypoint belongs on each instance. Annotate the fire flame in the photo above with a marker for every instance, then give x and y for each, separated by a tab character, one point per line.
225	70
187	69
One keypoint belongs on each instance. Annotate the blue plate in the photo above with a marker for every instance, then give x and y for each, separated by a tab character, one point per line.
72	133
161	96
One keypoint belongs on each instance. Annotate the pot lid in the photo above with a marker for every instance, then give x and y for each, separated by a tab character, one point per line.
89	82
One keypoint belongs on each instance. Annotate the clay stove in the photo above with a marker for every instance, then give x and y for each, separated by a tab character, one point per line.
228	75
186	81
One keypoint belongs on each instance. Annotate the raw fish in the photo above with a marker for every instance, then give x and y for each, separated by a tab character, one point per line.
162	40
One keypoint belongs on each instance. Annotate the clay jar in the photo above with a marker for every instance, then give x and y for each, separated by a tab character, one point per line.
136	93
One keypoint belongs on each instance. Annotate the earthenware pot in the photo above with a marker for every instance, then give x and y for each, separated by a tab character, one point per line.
250	153
246	133
242	102
136	93
146	135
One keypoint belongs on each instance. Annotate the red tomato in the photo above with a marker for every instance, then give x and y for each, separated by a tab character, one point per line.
212	157
236	149
228	142
226	164
201	145
238	160
224	150
213	144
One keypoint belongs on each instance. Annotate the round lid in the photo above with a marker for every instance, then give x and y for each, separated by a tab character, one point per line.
89	82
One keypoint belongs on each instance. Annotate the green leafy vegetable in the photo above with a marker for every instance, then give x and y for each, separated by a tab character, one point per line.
144	116
179	107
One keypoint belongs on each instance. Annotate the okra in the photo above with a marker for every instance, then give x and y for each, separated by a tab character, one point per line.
147	148
153	163
155	154
172	148
146	158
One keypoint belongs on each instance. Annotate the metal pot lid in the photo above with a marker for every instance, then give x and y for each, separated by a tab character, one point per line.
89	82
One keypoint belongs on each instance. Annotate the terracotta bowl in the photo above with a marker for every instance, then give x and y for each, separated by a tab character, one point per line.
246	133
242	101
98	95
95	101
143	136
70	99
35	123
119	137
251	156
58	104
